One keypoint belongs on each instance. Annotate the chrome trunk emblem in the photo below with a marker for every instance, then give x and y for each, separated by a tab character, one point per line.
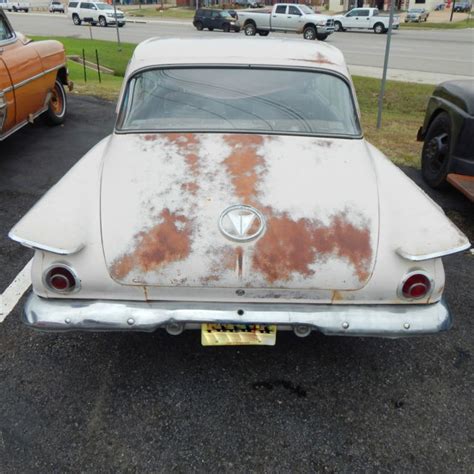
241	223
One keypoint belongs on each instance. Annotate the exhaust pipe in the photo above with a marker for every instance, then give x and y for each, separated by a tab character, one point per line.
174	329
302	331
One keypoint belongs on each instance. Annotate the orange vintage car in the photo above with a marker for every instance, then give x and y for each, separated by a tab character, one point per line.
32	80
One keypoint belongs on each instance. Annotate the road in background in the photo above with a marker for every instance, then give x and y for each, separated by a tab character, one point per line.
160	403
447	53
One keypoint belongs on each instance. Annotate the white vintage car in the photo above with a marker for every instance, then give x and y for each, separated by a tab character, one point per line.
237	195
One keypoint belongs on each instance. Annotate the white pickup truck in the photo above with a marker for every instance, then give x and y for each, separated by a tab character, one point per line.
365	19
17	6
287	17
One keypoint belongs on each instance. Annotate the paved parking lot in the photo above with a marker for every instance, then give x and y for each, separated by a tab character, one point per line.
153	402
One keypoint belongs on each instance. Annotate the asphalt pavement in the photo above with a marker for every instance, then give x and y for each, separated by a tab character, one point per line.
440	54
153	402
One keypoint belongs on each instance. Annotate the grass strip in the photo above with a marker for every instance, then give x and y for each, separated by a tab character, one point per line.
172	13
455	25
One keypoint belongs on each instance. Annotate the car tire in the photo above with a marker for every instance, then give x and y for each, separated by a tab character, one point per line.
321	37
198	26
76	20
309	33
250	29
237	30
379	28
121	25
102	21
338	26
436	153
263	33
226	27
57	108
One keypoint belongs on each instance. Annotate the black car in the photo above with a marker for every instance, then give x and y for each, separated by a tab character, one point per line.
448	136
213	19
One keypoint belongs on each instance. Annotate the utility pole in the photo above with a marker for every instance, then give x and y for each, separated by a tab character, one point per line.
385	64
452	11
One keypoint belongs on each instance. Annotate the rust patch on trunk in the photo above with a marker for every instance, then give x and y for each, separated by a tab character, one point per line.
240	258
337	296
182	140
192	161
224	259
190	187
290	246
166	242
150	137
188	145
245	165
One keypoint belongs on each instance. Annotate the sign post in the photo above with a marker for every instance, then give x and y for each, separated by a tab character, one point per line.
116	26
385	64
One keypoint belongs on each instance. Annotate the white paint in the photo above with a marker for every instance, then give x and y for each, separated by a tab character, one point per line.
18	287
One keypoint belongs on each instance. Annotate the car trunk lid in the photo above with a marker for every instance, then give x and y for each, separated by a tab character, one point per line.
163	198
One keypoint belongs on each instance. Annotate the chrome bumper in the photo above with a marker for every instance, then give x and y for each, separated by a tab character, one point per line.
342	320
325	30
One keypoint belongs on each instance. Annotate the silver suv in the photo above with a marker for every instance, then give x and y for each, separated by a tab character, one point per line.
95	12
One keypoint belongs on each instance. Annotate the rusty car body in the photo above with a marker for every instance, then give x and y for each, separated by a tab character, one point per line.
210	204
32	80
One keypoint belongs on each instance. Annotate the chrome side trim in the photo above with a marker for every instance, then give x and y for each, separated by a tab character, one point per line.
3	110
39	246
21	125
37	76
343	320
429	256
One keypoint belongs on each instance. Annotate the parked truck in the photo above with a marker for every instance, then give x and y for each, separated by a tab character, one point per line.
365	19
15	6
287	17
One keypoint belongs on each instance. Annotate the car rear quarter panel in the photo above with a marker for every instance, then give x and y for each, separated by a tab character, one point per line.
51	53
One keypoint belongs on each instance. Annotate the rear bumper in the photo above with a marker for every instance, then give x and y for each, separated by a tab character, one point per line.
344	320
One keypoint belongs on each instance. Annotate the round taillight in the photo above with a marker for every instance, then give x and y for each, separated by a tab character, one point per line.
416	286
61	279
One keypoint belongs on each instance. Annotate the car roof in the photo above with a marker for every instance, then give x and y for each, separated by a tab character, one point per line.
238	51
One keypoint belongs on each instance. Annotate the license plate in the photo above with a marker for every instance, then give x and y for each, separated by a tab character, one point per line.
238	335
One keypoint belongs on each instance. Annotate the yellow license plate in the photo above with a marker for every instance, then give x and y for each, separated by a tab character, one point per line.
238	335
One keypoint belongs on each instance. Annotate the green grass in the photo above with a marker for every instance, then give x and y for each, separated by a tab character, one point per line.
108	89
182	13
454	25
403	114
108	51
404	103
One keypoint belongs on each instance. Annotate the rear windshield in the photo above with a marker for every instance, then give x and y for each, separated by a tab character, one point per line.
239	99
